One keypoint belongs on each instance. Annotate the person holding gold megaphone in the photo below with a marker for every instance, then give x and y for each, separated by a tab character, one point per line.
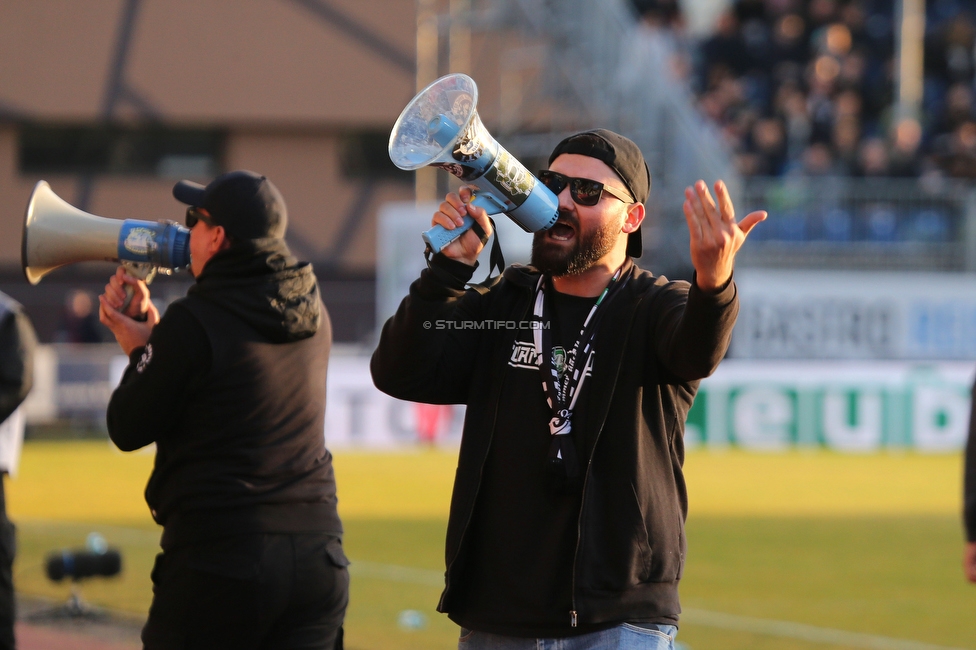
566	525
230	385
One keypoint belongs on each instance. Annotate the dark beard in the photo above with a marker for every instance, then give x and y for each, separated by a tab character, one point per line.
586	251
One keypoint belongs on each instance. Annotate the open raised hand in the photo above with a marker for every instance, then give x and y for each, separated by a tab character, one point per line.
715	235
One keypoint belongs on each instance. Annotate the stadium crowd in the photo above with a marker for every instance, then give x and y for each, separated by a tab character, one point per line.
808	86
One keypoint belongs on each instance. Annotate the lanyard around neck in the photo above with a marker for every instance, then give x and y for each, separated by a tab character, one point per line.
563	389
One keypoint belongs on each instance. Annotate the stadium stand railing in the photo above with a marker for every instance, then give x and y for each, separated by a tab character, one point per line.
861	224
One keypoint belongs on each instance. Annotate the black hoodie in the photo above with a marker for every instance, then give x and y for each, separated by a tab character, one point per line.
657	340
231	388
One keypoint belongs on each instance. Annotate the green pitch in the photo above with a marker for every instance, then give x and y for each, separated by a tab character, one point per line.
799	550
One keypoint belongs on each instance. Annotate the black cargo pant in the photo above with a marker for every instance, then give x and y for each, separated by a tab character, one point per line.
260	591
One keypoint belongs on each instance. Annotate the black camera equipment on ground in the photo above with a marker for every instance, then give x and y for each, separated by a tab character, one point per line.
77	565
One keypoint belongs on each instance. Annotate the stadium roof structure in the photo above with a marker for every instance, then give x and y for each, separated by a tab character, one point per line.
288	62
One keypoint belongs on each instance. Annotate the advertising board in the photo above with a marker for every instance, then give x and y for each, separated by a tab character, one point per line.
855	315
847	406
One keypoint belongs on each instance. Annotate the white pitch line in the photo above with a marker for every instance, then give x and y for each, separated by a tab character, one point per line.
802	632
765	626
395	573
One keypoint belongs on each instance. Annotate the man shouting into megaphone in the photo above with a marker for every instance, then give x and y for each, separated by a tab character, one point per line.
567	518
230	386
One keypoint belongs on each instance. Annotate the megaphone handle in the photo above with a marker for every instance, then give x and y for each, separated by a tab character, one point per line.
140	271
438	237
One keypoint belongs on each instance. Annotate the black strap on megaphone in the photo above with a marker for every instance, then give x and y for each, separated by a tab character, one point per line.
496	259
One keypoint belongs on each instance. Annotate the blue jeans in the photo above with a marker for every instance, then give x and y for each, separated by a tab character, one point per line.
621	637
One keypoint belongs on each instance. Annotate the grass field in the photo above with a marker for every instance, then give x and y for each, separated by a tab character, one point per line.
786	551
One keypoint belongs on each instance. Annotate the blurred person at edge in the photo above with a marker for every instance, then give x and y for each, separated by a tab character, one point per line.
969	499
230	386
79	322
628	347
17	344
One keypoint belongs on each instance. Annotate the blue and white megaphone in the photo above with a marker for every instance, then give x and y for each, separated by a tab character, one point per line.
441	127
57	233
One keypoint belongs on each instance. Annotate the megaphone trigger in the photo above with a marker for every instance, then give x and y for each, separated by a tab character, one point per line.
489	203
140	271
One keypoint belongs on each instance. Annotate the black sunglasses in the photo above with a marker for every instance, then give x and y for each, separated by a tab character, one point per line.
583	190
193	215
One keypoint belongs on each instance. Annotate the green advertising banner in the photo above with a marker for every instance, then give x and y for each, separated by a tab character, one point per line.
850	406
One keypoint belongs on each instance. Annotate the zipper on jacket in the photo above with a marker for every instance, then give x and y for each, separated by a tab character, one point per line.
573	618
573	614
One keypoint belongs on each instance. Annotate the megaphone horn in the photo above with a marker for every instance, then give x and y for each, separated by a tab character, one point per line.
57	233
441	127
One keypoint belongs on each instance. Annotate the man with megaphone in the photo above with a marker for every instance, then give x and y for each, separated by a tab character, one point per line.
567	517
230	385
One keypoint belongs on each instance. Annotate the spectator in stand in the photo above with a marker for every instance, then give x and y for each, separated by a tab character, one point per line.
825	70
818	161
822	13
847	135
958	108
791	105
821	75
789	40
958	151
873	158
769	144
847	105
949	50
905	159
724	53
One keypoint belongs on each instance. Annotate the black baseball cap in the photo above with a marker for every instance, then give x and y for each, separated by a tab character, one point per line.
246	204
622	156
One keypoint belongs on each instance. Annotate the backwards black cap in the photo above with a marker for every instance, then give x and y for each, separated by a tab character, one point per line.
246	204
622	156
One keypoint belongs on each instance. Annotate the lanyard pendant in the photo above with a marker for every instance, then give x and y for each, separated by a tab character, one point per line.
561	423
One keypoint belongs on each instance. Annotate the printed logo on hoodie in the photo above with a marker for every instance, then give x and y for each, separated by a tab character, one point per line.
145	358
524	356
